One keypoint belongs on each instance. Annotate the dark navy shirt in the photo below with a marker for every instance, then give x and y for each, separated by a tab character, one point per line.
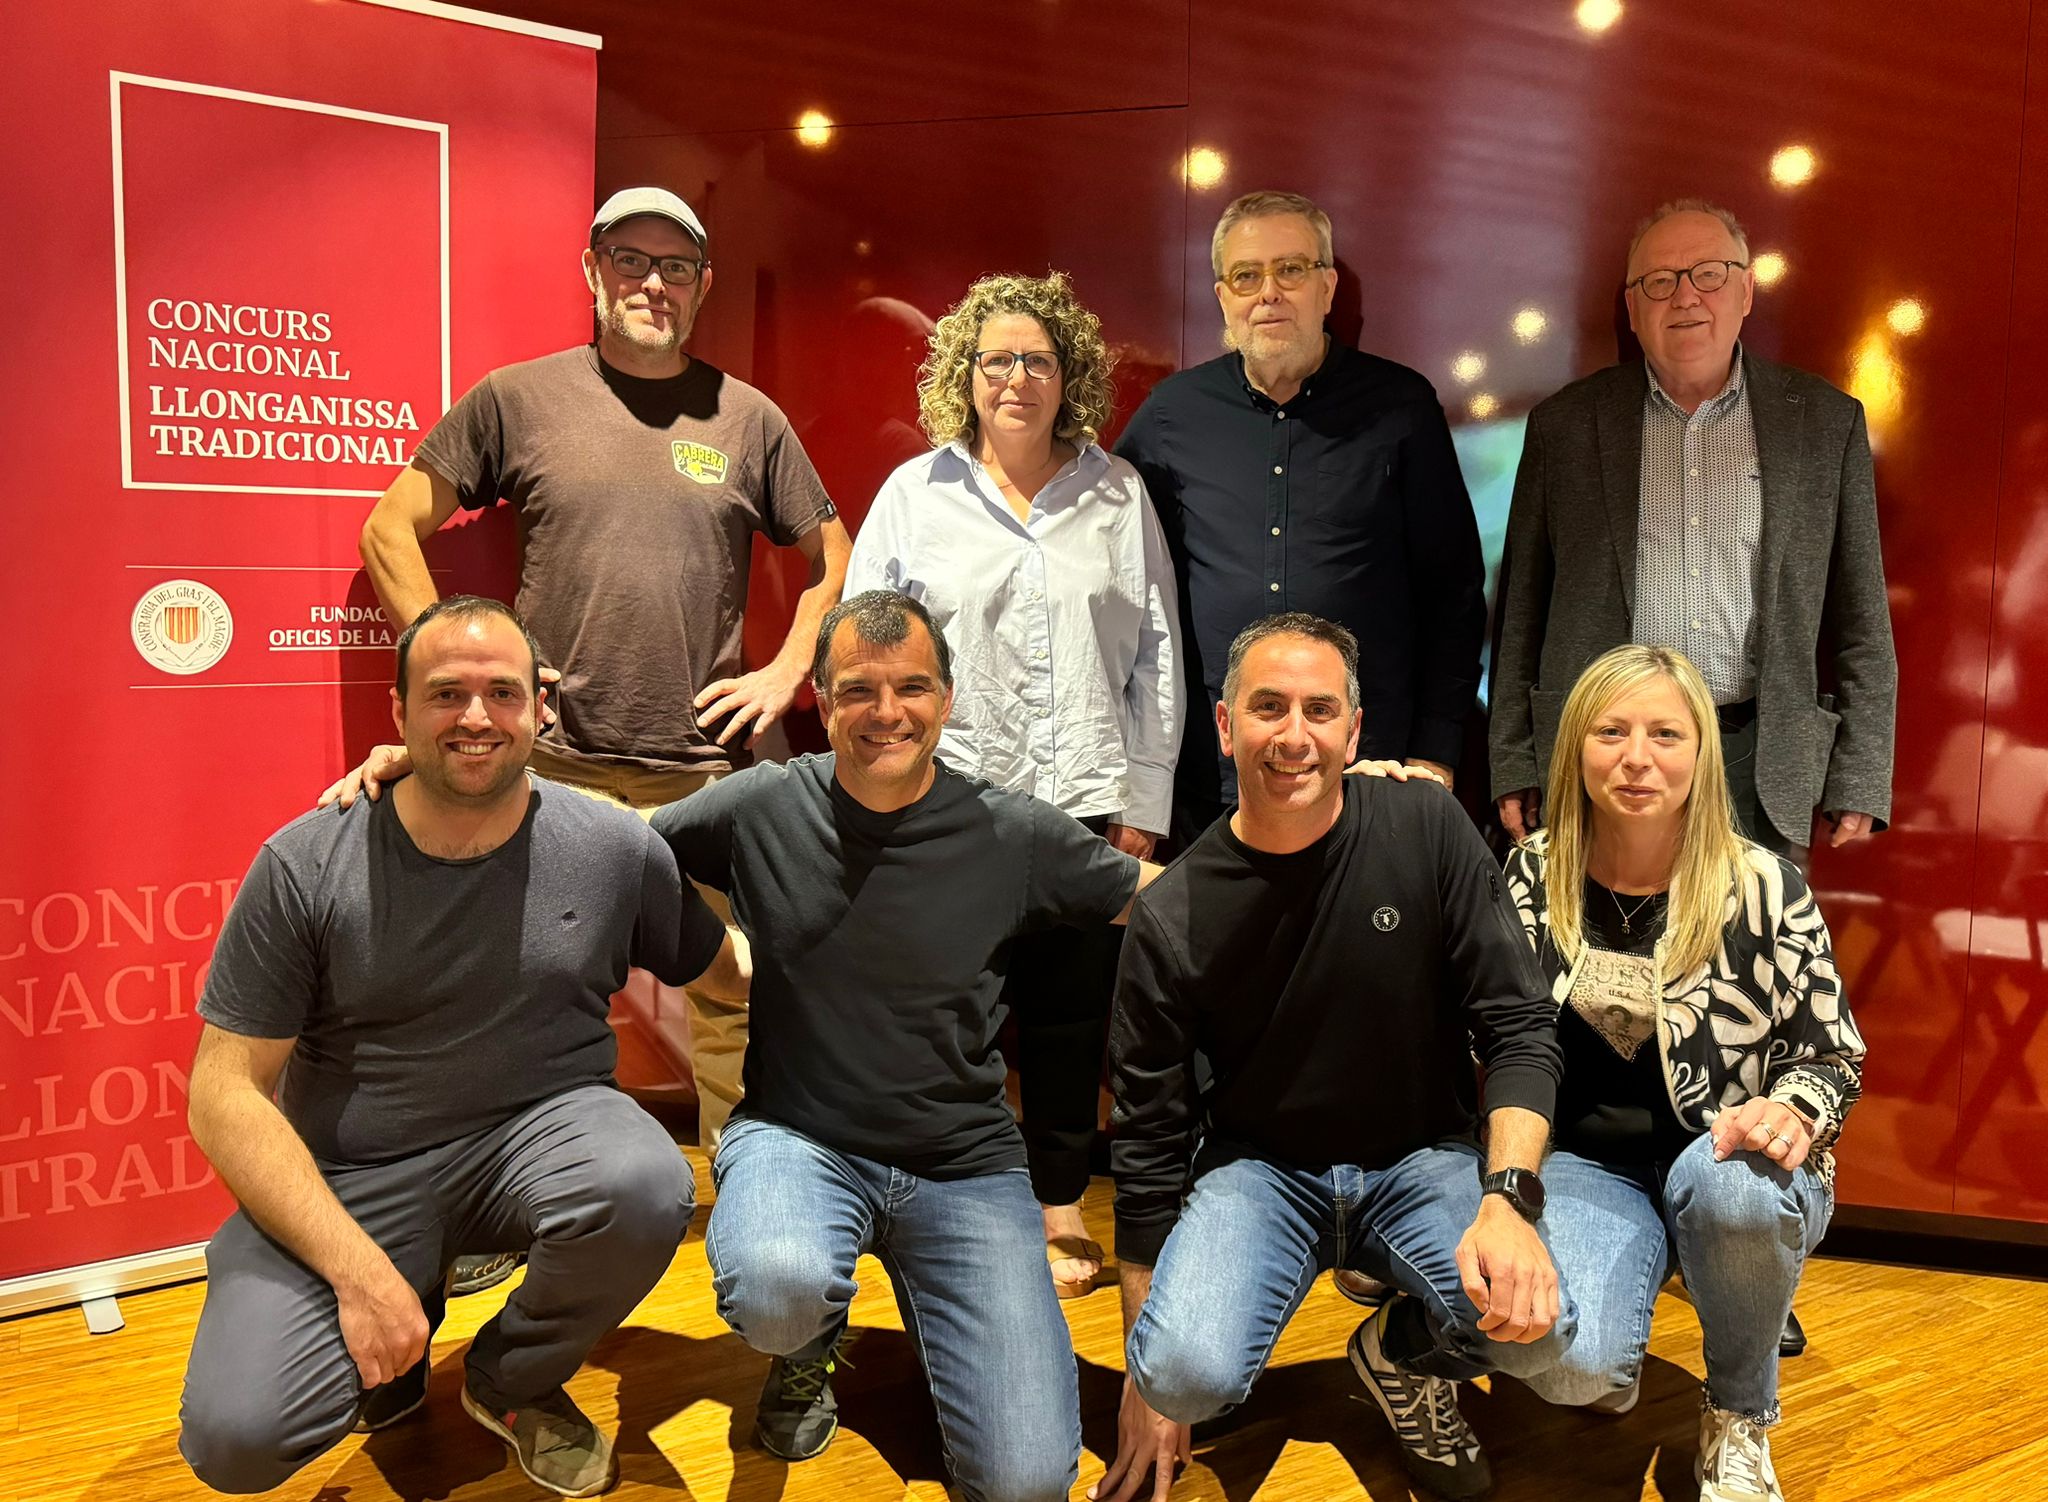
881	941
1346	502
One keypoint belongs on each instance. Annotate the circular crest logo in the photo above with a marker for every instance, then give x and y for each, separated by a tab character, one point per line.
182	627
1386	920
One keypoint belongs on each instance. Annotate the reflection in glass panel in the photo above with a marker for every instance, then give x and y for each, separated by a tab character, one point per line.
1468	367
1769	268
1529	325
1488	454
813	129
1907	316
1877	380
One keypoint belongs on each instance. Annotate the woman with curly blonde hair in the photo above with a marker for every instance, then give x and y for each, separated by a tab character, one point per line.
1037	554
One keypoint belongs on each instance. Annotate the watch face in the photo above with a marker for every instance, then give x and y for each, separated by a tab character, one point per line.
1529	1190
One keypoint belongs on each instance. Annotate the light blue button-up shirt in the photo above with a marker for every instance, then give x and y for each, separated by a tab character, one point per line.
1064	627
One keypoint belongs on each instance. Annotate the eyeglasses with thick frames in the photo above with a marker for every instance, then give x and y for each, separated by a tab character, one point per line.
998	364
1287	274
1705	276
677	271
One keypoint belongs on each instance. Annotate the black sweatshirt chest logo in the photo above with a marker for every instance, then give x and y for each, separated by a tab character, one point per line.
1386	920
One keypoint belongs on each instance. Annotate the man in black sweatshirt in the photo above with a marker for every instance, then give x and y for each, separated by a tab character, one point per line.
1337	948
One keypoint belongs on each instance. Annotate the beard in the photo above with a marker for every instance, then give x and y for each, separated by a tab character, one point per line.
443	777
1299	350
613	317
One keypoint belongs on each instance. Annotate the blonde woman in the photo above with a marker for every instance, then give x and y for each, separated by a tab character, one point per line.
1037	554
1709	1055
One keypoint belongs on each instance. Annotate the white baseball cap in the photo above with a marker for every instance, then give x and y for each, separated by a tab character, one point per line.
631	203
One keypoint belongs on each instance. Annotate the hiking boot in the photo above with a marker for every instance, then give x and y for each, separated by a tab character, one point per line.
381	1407
475	1274
798	1415
1735	1460
1438	1448
555	1444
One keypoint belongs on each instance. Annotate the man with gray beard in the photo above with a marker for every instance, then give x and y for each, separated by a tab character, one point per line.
640	476
1298	474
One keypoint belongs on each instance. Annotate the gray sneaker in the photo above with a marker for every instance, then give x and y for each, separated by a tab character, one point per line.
554	1443
1438	1448
475	1274
798	1415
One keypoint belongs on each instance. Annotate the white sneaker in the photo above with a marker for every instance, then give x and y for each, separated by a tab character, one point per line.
1735	1460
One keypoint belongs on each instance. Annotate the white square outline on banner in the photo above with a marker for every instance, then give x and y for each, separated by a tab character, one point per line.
115	79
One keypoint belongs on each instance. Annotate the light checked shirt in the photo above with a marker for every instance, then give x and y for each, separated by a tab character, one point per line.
1064	626
1699	518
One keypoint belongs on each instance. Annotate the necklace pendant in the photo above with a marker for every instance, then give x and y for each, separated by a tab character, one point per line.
1624	924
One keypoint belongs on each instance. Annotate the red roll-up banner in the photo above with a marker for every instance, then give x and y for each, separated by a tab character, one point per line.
257	246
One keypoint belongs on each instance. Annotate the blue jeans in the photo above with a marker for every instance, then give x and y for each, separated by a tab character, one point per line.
967	1258
1256	1233
1739	1230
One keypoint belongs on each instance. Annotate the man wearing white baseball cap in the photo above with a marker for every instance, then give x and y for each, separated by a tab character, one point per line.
640	475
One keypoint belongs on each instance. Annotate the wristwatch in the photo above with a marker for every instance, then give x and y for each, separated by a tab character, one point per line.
1520	1187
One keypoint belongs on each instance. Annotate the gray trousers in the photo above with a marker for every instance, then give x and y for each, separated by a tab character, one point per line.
587	1183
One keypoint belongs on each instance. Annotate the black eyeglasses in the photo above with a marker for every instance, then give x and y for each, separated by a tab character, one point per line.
677	271
1705	276
998	364
1287	274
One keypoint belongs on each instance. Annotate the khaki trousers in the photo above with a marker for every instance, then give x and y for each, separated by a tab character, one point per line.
717	1029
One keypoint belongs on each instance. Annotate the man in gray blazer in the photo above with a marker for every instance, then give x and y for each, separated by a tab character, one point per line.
1719	503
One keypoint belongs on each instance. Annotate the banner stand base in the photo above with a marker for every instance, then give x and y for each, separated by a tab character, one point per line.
101	1281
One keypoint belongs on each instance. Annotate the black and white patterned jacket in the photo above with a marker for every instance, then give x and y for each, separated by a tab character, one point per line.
1765	1016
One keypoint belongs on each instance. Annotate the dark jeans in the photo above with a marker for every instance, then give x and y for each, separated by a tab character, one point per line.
1738	750
1058	989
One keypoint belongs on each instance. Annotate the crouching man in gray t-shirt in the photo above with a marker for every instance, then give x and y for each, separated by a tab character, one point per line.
428	976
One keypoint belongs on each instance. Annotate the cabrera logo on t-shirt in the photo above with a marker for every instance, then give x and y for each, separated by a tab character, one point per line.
701	462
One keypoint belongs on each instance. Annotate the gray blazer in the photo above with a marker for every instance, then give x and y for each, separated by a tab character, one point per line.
1568	584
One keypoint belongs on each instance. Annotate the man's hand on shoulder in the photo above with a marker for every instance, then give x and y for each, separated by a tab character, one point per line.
1401	771
1508	1274
383	764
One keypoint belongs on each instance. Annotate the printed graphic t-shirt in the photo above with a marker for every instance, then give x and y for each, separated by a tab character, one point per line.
638	502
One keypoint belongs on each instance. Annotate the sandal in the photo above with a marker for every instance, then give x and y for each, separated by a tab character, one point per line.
1060	1248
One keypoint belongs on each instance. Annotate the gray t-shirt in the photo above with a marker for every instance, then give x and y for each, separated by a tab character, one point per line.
434	998
638	502
880	943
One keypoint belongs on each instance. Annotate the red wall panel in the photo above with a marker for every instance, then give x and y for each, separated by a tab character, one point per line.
133	796
1482	162
2000	1152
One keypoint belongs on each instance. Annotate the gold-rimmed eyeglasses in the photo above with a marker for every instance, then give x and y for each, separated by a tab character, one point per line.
1287	273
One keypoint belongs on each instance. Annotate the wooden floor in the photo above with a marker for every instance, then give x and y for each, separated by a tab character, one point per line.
1919	1386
